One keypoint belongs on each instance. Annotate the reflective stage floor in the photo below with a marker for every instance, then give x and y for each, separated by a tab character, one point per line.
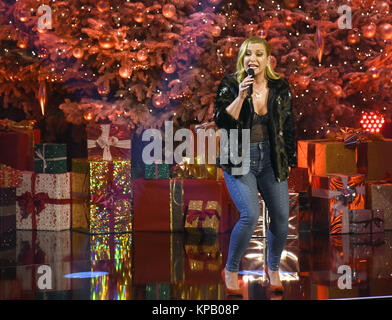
162	266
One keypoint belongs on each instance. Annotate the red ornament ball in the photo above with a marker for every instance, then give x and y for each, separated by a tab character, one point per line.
103	6
353	38
169	68
374	72
78	53
386	31
169	10
125	72
288	21
142	55
88	115
139	16
159	100
337	90
216	31
369	30
106	41
303	61
291	3
262	33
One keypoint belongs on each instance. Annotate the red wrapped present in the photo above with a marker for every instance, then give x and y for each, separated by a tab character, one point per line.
332	197
17	141
108	141
166	212
44	202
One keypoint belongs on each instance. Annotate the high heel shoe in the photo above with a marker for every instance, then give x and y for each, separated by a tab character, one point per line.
273	288
232	292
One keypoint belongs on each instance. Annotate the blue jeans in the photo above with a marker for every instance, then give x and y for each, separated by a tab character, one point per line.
244	192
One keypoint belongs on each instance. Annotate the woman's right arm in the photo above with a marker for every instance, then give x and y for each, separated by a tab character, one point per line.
228	106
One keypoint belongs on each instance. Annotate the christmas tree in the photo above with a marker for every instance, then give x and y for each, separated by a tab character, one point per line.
146	62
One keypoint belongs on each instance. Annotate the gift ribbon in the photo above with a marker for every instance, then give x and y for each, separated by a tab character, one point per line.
33	203
105	141
176	208
343	197
40	156
201	215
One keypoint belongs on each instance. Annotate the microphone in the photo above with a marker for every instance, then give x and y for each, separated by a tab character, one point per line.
251	73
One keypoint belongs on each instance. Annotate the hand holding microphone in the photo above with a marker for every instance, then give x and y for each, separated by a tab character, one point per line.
246	86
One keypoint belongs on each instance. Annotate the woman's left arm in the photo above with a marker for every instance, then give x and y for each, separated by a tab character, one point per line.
289	131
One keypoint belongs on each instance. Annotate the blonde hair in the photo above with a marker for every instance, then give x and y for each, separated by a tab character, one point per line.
269	71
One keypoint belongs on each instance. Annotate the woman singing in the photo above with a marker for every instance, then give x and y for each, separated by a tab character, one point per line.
267	113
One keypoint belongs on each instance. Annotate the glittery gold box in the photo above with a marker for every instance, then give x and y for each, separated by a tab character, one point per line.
200	218
101	196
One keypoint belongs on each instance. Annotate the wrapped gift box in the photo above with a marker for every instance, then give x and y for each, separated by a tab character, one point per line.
379	196
374	159
366	221
324	156
37	248
9	177
108	142
163	247
50	158
332	197
213	190
101	196
166	212
171	198
44	202
156	170
294	217
202	217
18	139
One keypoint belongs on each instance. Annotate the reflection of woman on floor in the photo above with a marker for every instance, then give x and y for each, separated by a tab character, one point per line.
268	114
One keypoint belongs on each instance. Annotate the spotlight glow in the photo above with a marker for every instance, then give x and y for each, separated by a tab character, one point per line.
83	275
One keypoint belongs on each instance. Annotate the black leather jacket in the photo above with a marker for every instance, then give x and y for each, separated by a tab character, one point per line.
281	125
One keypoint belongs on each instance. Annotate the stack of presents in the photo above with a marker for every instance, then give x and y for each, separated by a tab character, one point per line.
41	189
350	188
44	196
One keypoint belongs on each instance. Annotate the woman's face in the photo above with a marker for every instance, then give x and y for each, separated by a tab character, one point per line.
256	58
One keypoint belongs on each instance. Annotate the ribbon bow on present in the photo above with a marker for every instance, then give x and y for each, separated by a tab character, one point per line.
32	204
112	193
105	142
343	196
196	211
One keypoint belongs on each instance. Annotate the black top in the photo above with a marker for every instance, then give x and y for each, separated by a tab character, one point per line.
259	131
